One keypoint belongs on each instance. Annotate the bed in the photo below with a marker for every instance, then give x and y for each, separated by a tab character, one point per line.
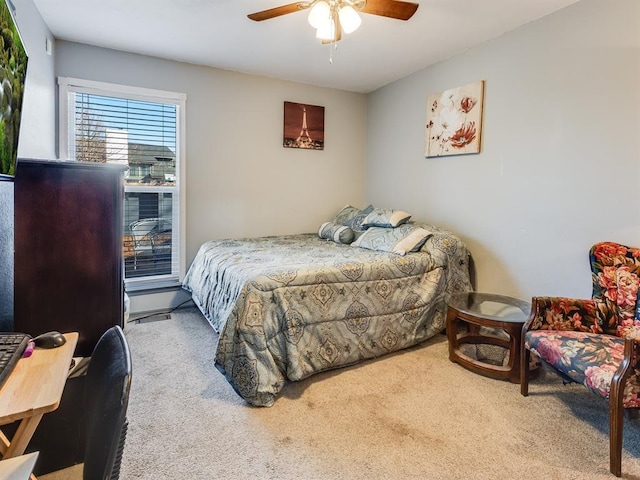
287	307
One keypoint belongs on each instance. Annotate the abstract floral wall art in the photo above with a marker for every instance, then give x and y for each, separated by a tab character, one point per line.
454	121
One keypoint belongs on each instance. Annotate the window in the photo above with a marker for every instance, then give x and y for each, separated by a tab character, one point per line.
144	130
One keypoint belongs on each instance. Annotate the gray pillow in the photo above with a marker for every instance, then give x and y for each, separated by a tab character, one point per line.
353	217
337	233
381	217
401	240
349	212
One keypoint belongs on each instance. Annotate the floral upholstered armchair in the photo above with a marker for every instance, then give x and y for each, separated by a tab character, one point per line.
595	342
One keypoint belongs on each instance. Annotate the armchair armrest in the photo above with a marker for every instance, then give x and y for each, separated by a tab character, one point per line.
634	334
631	357
561	313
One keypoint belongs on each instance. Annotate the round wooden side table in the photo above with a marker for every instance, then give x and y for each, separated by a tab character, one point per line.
495	312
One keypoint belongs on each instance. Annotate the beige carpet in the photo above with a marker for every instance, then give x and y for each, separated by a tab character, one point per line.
410	415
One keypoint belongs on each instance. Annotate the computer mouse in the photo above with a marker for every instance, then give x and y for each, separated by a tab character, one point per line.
50	340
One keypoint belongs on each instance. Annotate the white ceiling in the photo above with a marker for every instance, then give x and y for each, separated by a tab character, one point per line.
219	34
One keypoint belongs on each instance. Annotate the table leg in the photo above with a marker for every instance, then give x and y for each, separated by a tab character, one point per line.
515	334
4	443
452	333
22	437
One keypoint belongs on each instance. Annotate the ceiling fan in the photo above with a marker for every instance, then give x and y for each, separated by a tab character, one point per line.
332	17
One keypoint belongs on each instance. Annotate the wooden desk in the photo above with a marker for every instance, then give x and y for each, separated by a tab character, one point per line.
18	468
33	388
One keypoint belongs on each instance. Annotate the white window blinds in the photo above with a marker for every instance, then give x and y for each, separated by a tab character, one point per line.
142	132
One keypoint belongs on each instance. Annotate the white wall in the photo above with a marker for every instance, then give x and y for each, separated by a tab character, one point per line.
560	162
240	180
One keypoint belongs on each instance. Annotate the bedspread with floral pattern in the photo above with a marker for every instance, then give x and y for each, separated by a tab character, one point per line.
289	306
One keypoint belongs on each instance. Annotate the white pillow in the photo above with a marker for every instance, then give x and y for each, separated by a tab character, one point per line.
381	217
401	240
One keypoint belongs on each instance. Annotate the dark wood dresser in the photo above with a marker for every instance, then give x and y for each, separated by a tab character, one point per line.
68	248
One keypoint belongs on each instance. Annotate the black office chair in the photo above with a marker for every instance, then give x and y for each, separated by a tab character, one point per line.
106	397
89	427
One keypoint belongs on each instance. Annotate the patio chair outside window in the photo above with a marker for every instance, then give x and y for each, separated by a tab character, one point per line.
142	233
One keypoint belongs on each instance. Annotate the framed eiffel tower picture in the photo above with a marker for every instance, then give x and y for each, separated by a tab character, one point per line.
303	126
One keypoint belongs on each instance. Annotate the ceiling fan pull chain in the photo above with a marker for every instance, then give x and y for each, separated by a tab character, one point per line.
332	47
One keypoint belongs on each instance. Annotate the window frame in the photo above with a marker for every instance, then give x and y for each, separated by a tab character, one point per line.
66	121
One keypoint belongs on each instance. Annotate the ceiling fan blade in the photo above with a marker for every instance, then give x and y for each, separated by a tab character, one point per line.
277	11
390	8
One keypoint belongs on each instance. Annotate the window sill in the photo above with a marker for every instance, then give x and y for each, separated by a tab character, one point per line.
151	286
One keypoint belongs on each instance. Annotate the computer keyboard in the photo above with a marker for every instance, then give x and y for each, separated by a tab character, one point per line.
12	346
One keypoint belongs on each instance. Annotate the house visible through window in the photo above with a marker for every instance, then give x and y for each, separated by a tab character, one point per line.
139	128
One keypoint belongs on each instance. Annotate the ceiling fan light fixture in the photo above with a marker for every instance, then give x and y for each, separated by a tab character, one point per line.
326	30
330	18
319	13
349	19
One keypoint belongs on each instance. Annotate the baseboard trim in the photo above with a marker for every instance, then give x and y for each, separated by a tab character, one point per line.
156	301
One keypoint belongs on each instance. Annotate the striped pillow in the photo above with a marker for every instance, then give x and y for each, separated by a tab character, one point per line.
336	233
